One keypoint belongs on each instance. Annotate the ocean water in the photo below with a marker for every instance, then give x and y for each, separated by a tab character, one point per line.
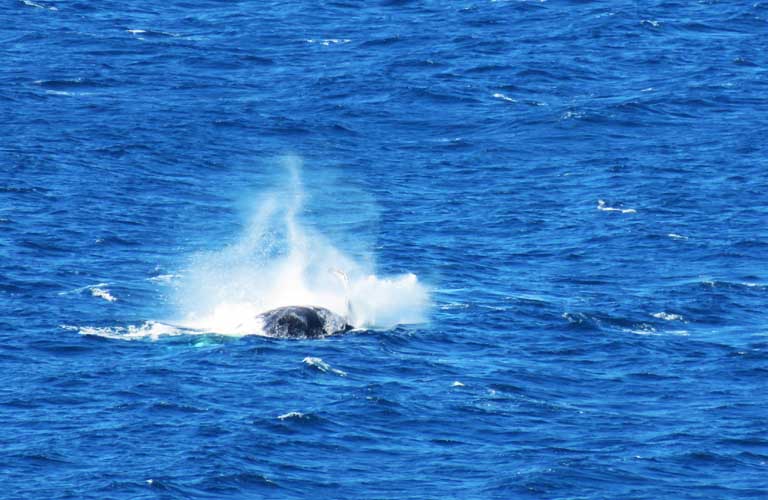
549	217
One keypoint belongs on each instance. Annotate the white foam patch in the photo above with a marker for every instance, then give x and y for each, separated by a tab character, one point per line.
29	3
681	333
667	316
605	208
499	95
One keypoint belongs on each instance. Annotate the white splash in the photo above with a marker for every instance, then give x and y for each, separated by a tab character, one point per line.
278	262
602	206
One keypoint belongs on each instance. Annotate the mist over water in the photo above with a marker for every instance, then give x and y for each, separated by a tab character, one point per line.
279	260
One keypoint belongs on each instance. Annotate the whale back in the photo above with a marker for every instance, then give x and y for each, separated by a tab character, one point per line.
302	322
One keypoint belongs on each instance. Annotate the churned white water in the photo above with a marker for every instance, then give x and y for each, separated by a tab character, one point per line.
280	261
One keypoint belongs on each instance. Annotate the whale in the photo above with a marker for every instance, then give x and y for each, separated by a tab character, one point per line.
302	322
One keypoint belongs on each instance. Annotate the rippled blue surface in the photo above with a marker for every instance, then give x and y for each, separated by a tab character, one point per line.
602	349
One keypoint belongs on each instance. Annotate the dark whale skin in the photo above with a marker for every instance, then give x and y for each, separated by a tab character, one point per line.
302	322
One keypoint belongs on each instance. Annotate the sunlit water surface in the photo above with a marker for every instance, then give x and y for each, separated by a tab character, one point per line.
548	222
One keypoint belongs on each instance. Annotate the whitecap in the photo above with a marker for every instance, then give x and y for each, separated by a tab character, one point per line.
499	95
668	316
329	41
30	3
753	285
322	366
152	33
676	236
150	330
602	206
96	290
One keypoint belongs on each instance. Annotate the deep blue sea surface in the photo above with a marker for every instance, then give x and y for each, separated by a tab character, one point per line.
550	219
